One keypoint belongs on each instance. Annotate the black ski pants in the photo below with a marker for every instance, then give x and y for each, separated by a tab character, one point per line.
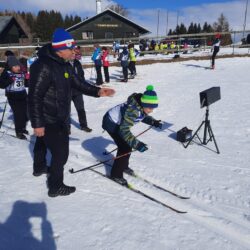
99	79
131	67
79	105
125	72
106	73
56	140
19	108
216	50
121	163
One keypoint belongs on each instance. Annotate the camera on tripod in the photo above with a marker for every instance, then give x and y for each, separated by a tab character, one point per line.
207	97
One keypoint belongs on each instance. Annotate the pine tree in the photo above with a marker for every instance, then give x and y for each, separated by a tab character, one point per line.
191	28
42	21
77	19
183	29
67	22
199	28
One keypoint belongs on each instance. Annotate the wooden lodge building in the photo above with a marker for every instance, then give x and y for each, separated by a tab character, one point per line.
106	25
11	31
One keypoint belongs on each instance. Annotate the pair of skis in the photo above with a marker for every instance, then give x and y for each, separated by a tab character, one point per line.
135	190
141	193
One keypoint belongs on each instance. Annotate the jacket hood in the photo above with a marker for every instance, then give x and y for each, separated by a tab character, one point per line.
47	51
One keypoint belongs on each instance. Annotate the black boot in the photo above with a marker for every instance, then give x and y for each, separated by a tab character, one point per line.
121	181
21	136
86	129
129	171
63	190
26	132
40	171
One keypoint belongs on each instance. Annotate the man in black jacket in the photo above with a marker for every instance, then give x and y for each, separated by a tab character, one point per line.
77	97
49	99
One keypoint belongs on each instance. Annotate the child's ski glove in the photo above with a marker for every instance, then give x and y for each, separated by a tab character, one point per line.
141	147
157	124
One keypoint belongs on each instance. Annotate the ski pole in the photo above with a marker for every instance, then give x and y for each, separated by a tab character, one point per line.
1	122
109	152
72	171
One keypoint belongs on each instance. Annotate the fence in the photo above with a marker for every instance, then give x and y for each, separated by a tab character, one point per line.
87	45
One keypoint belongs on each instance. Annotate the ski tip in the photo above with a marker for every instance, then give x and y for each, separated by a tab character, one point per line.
183	197
71	170
181	212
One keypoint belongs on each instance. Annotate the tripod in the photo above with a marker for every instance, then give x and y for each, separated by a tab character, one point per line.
207	131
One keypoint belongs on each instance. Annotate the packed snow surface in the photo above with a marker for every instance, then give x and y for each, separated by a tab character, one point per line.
105	216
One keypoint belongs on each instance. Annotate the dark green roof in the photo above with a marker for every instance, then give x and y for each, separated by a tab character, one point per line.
111	12
4	21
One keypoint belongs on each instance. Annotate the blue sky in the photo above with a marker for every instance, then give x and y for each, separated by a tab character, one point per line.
173	5
145	12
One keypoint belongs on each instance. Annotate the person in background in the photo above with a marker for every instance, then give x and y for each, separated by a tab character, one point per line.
123	58
132	60
8	53
105	63
78	53
116	48
13	80
51	80
215	49
120	119
96	58
33	58
77	96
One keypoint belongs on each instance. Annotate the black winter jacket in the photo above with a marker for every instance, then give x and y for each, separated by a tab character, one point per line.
80	74
51	80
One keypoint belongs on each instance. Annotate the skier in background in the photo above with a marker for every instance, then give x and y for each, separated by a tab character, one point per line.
96	58
123	58
132	60
215	49
105	63
77	96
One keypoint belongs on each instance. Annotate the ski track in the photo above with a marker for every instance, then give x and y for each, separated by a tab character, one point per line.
214	219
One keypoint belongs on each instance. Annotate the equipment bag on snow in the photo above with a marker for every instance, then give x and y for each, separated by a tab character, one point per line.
184	134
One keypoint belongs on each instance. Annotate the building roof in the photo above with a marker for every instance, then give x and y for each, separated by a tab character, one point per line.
141	29
4	21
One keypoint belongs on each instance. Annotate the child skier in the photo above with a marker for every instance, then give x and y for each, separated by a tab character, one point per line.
123	57
105	63
132	60
215	49
96	58
14	82
118	121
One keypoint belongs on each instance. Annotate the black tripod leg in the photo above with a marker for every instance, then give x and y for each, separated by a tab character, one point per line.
196	133
212	136
205	132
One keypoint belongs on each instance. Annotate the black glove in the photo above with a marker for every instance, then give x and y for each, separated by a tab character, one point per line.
157	124
141	147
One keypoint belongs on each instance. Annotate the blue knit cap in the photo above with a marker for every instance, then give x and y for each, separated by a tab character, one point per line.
149	98
62	40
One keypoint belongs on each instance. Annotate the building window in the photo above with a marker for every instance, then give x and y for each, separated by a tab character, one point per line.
109	35
129	34
87	35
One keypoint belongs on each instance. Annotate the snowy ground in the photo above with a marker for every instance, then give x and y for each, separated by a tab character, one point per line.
105	216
